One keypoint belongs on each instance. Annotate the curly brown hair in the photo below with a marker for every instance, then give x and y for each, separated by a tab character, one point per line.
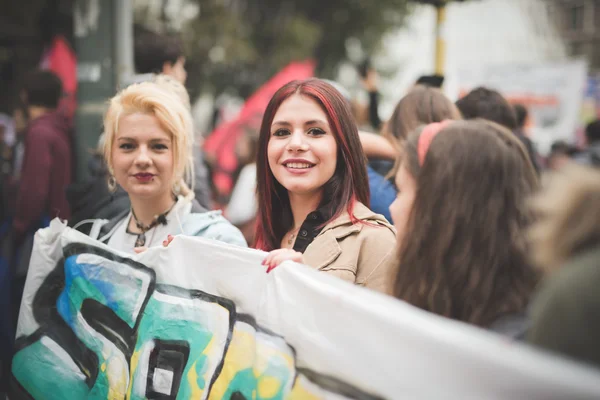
464	252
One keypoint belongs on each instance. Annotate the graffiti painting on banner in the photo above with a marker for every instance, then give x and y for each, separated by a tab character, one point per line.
202	320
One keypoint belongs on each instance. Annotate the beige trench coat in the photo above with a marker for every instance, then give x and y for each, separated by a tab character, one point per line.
364	254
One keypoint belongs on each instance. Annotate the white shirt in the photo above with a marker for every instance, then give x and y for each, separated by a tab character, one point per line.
124	241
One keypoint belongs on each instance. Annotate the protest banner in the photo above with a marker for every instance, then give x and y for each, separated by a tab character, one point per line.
552	92
202	320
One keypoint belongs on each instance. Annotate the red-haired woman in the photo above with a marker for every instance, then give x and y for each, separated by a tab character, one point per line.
312	189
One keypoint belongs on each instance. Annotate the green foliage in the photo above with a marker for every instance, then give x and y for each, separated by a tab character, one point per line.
241	43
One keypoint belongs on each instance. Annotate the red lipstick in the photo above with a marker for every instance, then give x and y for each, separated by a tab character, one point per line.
144	177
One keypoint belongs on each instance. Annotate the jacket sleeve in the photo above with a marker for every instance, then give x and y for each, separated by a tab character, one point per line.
224	231
34	187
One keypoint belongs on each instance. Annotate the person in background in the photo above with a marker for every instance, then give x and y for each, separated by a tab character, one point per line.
461	216
312	189
47	160
590	156
242	207
565	242
148	152
47	164
488	104
422	105
368	79
561	153
43	177
159	54
522	116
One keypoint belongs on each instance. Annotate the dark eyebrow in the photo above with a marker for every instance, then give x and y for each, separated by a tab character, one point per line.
281	123
315	122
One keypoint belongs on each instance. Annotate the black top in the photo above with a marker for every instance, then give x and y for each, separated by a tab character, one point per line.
310	228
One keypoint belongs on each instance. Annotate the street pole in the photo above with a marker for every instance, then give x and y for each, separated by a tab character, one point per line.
124	41
96	77
440	40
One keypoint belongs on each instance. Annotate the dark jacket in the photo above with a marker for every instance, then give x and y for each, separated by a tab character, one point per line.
590	156
46	173
91	199
565	314
533	156
201	179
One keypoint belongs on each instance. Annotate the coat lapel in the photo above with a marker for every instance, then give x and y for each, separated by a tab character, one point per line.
322	252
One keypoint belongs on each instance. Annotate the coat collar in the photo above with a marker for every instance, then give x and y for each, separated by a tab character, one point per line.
342	226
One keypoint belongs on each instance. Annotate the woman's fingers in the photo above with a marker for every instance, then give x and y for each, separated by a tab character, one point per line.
139	250
276	257
168	240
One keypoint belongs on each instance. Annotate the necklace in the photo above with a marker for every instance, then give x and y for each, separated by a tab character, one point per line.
292	236
158	219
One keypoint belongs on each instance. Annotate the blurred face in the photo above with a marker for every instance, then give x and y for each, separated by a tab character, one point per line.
302	151
557	161
142	157
402	206
176	70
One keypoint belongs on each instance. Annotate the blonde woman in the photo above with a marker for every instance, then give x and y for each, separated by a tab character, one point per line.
148	152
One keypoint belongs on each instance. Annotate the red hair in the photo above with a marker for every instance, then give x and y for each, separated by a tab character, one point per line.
348	184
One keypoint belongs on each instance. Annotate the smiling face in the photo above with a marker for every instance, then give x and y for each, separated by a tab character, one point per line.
142	157
302	150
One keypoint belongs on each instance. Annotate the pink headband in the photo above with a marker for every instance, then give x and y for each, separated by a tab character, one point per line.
426	137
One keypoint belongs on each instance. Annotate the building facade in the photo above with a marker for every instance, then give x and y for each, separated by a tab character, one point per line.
578	22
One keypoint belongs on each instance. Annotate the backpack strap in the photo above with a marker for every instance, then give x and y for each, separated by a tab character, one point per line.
103	229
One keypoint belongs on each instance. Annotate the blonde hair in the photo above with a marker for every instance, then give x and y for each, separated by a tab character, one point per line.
153	99
569	216
169	83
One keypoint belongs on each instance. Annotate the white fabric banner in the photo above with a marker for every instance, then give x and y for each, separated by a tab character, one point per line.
553	93
202	320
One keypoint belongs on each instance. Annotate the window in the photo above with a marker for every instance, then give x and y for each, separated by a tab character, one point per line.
577	49
575	21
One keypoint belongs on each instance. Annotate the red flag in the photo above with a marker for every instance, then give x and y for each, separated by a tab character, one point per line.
61	59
